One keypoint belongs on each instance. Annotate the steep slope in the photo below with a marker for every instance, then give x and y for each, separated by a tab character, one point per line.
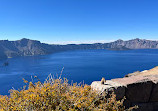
23	47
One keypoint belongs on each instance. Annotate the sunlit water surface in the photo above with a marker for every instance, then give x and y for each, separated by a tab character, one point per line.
80	65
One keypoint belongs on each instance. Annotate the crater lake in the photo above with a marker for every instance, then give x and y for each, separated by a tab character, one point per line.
76	66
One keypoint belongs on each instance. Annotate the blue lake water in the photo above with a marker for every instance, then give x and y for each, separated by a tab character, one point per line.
79	65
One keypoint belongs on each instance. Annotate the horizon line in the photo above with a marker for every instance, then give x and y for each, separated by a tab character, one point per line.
80	42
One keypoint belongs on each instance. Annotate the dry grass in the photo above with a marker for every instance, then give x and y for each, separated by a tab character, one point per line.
58	95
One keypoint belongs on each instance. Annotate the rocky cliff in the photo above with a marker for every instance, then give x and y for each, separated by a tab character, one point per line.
23	47
135	44
27	47
139	88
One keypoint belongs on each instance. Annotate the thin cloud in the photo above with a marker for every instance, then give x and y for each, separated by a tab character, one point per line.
79	42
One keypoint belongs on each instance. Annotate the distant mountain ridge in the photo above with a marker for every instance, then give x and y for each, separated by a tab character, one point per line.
27	47
136	44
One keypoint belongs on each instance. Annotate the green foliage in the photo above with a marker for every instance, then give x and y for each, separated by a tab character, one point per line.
57	94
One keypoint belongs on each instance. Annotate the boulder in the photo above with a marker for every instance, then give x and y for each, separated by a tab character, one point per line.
139	88
139	92
109	87
154	93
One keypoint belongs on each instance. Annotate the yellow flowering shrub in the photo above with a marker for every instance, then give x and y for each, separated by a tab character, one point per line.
58	95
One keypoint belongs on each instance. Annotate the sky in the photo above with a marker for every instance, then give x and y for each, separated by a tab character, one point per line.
78	21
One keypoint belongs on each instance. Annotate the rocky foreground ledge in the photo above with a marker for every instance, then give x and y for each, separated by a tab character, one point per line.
139	88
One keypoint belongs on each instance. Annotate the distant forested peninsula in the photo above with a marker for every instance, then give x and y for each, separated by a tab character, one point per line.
27	47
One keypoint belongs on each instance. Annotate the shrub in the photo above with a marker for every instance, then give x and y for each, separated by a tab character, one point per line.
57	94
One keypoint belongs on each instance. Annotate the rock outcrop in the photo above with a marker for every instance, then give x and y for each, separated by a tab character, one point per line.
140	89
135	44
